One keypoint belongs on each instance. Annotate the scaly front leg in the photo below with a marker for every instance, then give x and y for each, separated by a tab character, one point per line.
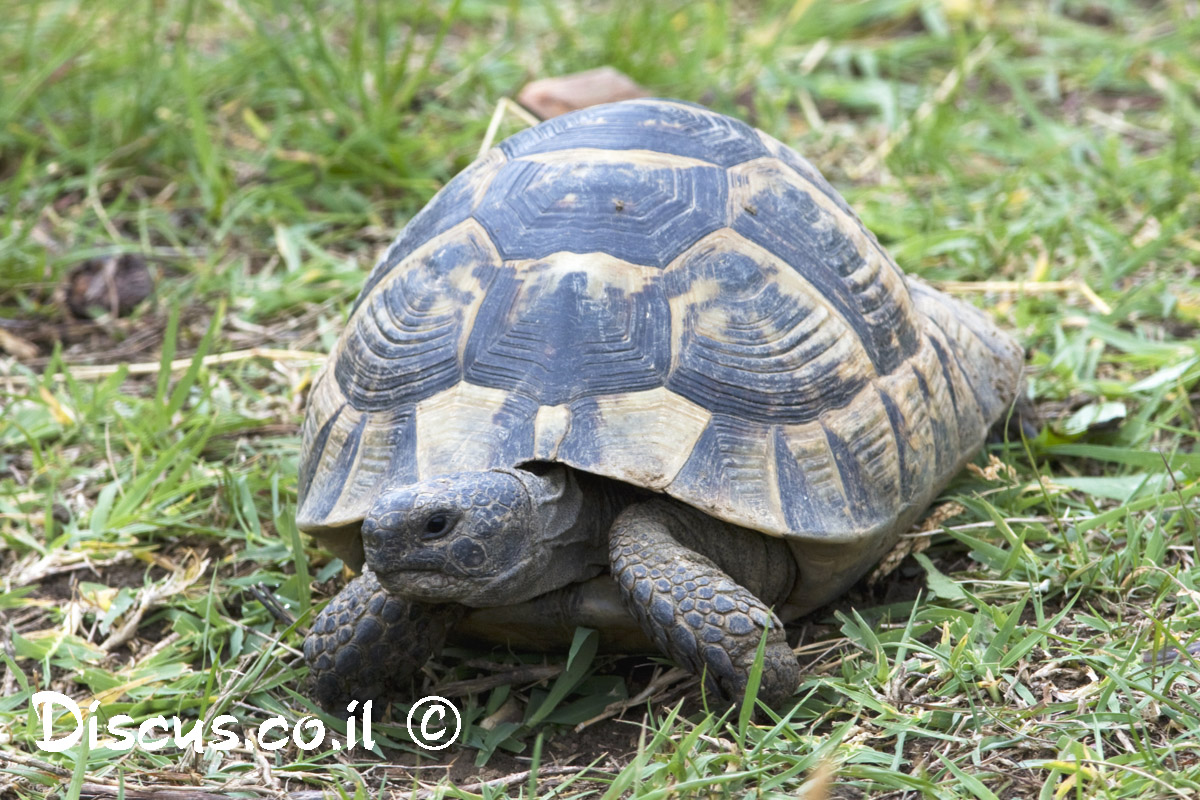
692	609
368	645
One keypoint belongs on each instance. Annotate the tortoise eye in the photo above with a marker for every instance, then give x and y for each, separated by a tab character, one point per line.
435	526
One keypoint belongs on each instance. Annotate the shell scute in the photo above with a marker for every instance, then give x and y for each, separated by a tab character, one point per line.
672	127
404	343
642	215
557	332
777	210
741	317
448	208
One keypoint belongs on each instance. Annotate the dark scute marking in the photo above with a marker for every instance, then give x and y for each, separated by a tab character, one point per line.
857	498
401	449
904	449
339	471
725	462
938	429
690	131
578	446
942	357
922	385
956	354
800	508
788	223
311	457
450	206
641	215
560	343
805	169
765	363
402	346
515	418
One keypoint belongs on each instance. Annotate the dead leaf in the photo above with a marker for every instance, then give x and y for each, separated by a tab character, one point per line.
913	543
550	97
16	346
995	470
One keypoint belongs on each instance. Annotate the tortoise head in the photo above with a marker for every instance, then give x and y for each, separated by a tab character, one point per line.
479	538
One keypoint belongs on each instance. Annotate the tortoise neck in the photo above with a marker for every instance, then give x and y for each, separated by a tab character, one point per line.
603	501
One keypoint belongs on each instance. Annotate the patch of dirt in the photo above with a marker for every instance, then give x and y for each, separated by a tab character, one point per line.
607	746
61	587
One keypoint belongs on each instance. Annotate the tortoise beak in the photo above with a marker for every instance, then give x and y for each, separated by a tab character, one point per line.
385	553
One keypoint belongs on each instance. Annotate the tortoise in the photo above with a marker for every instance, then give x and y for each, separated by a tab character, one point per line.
639	368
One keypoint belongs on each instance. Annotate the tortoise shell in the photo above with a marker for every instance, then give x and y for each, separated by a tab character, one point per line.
662	295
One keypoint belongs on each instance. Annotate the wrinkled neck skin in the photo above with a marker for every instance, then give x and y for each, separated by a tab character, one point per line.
573	514
564	544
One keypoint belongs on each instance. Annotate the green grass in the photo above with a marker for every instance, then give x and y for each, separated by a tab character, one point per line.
260	154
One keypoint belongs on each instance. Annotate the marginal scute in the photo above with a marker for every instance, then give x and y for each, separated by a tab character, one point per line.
863	444
937	395
989	364
550	427
909	417
473	427
815	500
731	474
323	406
341	435
348	455
642	438
386	457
